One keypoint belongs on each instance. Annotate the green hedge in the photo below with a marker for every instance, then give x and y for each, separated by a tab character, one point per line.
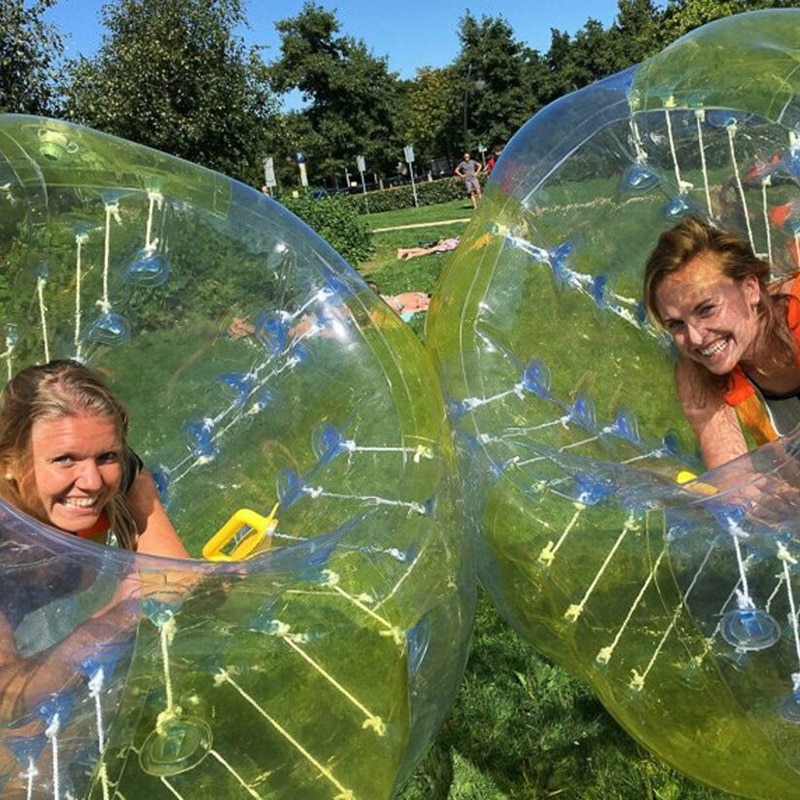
429	193
338	223
339	219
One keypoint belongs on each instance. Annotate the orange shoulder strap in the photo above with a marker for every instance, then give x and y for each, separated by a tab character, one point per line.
736	387
793	315
755	419
739	392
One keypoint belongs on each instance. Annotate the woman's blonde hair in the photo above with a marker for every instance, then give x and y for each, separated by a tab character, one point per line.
693	237
53	391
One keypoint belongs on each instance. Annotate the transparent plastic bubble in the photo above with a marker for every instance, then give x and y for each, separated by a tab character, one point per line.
278	402
596	530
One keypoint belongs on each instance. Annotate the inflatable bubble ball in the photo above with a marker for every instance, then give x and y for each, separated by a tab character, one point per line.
312	644
674	593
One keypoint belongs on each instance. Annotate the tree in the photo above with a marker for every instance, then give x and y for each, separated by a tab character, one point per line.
170	74
637	33
500	79
591	55
682	16
29	50
563	73
427	118
352	97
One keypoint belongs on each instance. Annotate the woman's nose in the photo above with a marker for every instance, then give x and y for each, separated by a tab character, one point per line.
695	334
89	477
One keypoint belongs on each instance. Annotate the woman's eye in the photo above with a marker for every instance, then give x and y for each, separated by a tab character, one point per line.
707	310
62	460
108	458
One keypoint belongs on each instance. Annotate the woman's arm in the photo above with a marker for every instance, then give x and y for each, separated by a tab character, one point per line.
715	423
8	643
157	536
24	682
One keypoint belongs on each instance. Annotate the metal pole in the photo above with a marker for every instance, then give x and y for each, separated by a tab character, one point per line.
466	104
364	188
270	181
414	186
301	163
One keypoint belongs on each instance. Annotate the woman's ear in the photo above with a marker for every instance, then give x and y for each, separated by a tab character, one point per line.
752	290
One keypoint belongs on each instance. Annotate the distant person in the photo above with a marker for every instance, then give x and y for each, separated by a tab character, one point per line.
307	325
468	170
406	304
442	246
240	328
493	160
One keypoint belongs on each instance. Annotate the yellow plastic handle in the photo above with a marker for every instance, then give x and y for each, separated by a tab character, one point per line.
247	529
684	477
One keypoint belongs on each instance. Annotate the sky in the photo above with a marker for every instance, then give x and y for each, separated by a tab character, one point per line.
410	33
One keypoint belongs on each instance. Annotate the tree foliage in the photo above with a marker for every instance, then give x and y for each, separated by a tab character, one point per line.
428	119
171	74
595	52
501	78
351	95
29	52
636	33
682	16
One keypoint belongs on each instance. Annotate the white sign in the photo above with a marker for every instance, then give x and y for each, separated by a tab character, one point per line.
269	173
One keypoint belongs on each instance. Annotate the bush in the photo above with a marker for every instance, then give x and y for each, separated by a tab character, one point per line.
429	193
338	223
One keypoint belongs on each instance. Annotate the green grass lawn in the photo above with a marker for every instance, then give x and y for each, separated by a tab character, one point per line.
410	228
455	209
521	728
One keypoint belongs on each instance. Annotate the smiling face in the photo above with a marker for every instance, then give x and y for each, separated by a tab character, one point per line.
712	318
75	469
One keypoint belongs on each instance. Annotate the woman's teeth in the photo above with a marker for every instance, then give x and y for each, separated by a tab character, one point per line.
714	348
80	502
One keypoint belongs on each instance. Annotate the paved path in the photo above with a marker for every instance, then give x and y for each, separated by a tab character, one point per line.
421	225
